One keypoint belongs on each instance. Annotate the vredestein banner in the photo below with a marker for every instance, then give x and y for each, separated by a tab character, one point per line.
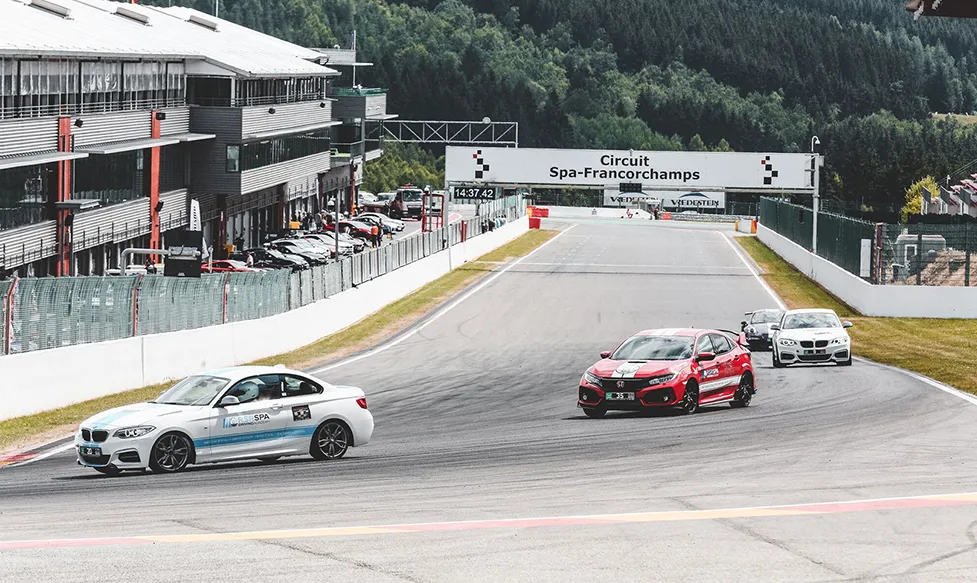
688	171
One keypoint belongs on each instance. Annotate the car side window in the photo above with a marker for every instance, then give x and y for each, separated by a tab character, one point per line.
299	387
703	344
721	344
260	388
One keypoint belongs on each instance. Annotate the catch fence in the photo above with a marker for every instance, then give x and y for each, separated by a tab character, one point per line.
881	253
50	312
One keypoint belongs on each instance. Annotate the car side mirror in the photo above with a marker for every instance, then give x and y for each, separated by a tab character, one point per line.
705	356
847	324
775	326
229	400
605	354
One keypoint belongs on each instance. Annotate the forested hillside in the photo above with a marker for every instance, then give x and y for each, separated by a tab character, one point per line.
668	74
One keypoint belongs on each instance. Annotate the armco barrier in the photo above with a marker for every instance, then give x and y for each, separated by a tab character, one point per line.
888	301
63	376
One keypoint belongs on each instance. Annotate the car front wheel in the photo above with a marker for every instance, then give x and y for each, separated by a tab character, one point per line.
690	403
171	453
776	361
845	362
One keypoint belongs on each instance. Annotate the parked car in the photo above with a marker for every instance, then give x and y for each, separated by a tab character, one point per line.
303	249
226	265
356	229
393	224
327	239
272	259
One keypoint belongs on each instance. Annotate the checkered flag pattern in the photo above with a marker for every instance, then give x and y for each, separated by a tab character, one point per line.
769	172
480	166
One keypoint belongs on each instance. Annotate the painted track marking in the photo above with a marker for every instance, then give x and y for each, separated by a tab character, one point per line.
795	510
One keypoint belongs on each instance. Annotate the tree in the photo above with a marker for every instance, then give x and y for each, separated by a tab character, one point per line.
914	196
696	144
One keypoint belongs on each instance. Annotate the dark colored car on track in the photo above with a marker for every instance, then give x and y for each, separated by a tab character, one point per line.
756	327
678	367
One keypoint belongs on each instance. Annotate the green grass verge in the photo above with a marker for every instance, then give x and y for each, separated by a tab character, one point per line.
365	333
940	349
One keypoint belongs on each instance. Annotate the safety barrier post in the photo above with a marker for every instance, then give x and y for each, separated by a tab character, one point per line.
8	316
227	289
135	304
966	254
919	258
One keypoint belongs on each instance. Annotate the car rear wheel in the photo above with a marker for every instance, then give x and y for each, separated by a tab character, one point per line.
594	412
690	402
171	453
330	441
744	394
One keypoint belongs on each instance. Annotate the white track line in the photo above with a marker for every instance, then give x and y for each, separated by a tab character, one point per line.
441	312
749	266
915	376
45	455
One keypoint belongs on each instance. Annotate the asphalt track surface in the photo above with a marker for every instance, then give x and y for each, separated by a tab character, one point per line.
476	421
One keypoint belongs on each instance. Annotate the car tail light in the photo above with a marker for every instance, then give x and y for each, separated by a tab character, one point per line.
361	402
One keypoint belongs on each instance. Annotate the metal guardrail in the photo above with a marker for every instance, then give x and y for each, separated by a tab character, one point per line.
50	312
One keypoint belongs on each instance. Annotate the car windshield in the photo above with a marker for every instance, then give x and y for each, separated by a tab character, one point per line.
385	196
811	320
655	348
412	195
195	390
766	317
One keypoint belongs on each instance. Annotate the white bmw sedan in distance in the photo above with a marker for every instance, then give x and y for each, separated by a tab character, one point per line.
243	412
811	336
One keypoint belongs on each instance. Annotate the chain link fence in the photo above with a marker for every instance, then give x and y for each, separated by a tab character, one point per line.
883	254
49	312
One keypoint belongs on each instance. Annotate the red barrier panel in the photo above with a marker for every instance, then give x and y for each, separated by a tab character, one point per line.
534	223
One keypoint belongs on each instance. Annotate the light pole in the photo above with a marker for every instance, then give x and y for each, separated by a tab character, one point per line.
815	182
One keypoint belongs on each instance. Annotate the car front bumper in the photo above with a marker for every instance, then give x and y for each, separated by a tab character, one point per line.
801	355
123	454
664	395
759	340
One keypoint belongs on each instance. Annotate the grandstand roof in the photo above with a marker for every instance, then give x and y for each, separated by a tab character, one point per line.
101	28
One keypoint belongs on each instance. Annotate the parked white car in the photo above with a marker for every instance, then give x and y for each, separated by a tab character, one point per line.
228	414
811	336
394	224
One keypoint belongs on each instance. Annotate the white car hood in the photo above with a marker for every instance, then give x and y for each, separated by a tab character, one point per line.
813	333
134	415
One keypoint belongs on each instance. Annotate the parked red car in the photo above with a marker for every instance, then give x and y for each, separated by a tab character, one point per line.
682	368
226	265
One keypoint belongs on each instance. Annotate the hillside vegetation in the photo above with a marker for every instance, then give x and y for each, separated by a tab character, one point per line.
664	74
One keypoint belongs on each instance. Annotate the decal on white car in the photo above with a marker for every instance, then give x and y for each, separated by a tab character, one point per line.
256	419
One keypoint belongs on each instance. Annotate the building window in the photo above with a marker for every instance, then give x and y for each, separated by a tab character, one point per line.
24	194
111	179
265	91
234	158
263	153
172	167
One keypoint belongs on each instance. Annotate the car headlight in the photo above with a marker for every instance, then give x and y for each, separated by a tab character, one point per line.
660	379
750	330
130	432
839	341
787	342
591	378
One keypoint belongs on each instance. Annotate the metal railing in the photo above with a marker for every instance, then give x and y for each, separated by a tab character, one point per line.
882	253
50	312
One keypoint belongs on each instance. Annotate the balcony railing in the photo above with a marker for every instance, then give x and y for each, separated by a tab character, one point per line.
355	92
350	150
94	107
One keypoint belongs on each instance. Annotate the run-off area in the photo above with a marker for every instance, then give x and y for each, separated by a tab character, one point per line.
476	420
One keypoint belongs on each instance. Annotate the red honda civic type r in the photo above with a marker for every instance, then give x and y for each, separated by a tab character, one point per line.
678	367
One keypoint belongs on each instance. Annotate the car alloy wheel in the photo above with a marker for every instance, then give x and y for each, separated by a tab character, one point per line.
171	453
744	394
690	403
330	441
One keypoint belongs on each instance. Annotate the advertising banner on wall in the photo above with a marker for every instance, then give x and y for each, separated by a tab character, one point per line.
682	200
689	171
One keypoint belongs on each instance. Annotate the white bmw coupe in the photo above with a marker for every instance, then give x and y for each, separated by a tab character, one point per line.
228	414
810	336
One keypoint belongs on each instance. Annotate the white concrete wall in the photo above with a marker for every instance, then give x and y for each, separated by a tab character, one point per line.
48	379
582	212
889	301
